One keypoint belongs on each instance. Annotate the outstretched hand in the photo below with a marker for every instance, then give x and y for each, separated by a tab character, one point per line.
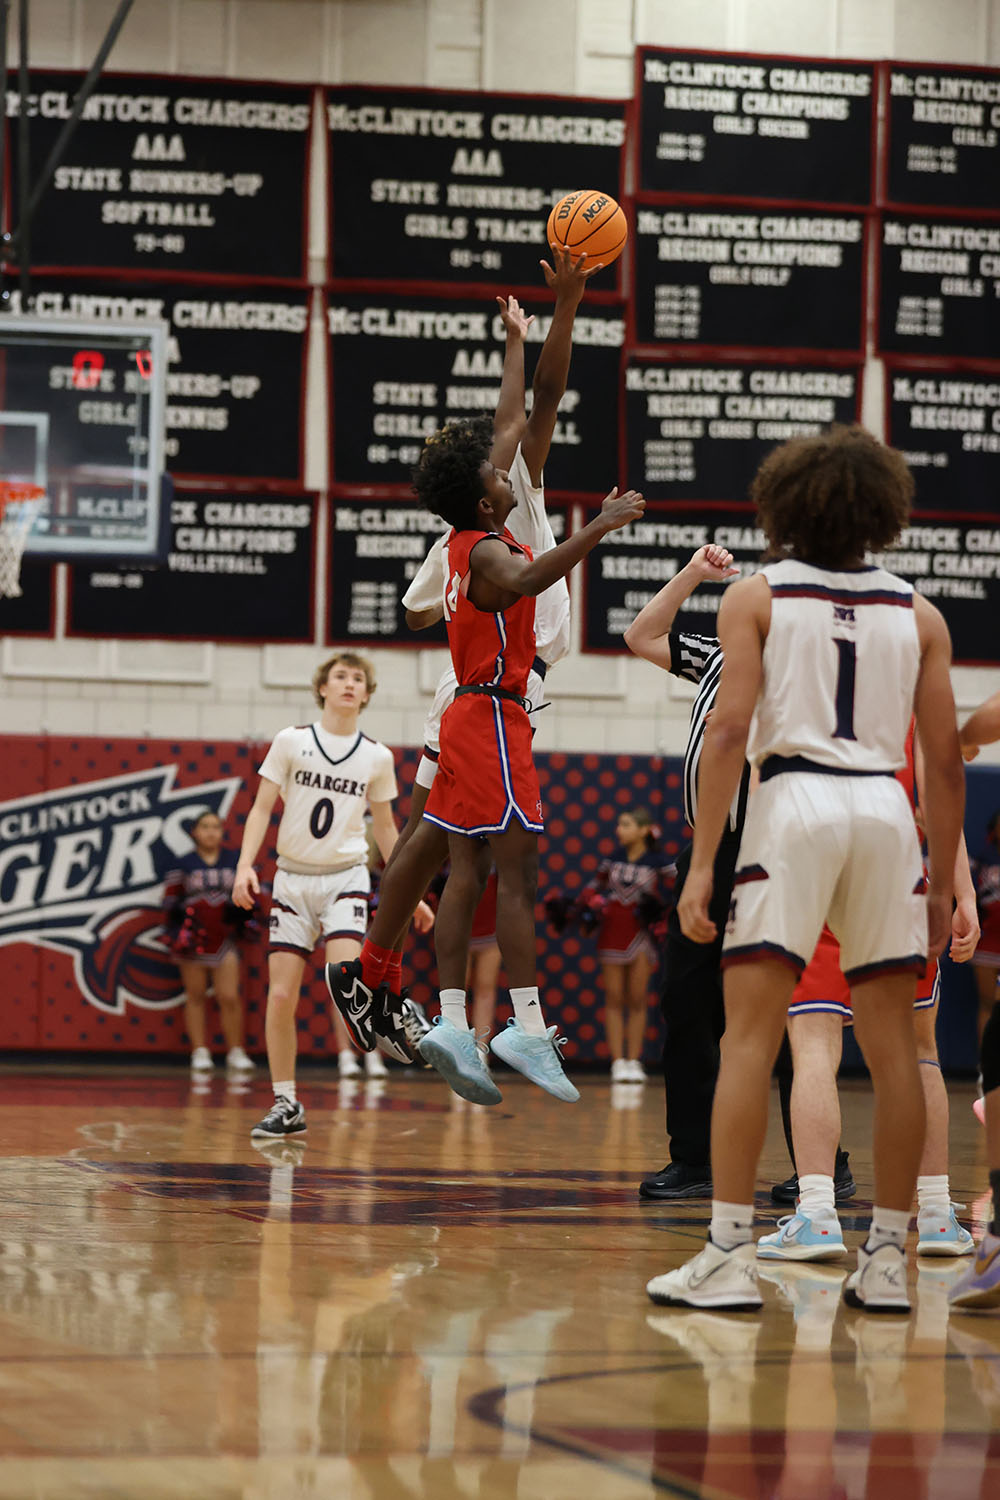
568	278
619	510
714	564
514	318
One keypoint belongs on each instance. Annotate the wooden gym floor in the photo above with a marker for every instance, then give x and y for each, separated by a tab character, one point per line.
433	1300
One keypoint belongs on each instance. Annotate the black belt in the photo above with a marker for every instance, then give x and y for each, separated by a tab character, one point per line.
487	690
775	765
539	666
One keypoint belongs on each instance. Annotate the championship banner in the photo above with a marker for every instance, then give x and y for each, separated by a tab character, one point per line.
227	550
179	176
452	188
698	431
944	136
939	284
946	423
741	125
734	276
235	378
405	364
630	567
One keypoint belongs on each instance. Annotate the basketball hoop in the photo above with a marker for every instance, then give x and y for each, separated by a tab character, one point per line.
20	505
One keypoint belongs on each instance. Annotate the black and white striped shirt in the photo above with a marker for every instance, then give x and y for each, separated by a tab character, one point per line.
698	659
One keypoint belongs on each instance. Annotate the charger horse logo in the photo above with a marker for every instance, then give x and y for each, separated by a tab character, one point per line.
81	872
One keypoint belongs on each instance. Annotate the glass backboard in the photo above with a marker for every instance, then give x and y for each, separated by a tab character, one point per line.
81	416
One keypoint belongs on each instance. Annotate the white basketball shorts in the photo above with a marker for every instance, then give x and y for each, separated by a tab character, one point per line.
836	849
305	908
427	769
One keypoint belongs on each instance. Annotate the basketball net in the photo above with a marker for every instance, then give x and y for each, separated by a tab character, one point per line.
19	506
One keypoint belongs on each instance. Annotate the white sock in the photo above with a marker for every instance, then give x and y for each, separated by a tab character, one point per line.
453	1008
933	1193
816	1198
285	1089
888	1227
528	1010
732	1224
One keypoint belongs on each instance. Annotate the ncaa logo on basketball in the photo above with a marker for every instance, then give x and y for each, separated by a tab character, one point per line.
81	871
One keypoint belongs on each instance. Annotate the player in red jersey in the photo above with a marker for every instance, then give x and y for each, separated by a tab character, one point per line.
487	786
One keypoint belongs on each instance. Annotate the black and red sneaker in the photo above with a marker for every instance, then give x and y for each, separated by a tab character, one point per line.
354	1000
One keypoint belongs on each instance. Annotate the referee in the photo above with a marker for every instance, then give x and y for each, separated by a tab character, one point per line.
692	1000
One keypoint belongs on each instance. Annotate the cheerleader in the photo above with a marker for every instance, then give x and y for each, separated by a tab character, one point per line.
633	892
203	927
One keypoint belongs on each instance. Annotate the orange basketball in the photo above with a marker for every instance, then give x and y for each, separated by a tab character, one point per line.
590	224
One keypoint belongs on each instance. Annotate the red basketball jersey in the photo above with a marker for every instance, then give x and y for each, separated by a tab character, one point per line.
495	649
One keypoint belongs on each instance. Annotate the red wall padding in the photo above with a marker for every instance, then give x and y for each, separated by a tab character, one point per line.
84	830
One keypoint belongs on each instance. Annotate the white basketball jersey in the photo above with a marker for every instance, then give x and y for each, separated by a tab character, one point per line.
326	781
528	523
841	661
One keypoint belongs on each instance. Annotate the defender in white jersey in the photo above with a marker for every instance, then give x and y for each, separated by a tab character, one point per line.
826	657
327	774
517	446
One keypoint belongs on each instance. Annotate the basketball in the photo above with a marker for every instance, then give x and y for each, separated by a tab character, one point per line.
591	224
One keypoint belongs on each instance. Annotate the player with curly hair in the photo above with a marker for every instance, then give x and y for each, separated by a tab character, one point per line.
829	657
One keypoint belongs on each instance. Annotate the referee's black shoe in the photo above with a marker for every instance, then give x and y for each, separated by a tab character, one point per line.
677	1180
843	1183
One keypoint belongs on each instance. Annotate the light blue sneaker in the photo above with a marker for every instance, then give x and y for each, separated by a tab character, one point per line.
458	1059
537	1057
941	1233
800	1238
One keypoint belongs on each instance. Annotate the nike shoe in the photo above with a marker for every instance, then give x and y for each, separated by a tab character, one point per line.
942	1234
283	1118
390	1027
725	1280
415	1024
354	1000
800	1237
843	1183
677	1180
457	1057
879	1283
537	1057
980	1286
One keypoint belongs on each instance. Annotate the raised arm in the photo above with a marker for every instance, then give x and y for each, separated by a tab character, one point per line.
509	418
943	777
568	281
497	573
648	635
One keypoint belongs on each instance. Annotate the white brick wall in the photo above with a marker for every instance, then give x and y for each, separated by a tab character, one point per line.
582	46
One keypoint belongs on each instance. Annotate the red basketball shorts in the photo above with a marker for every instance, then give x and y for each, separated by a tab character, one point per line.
823	987
485	775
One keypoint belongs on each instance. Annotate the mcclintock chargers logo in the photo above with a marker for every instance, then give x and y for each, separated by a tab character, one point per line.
81	872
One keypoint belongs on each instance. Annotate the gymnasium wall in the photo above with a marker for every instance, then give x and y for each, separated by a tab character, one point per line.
130	686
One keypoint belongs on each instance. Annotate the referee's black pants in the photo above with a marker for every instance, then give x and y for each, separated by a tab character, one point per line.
695	1018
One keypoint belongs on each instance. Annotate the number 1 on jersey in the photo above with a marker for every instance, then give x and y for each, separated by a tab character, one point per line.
847	661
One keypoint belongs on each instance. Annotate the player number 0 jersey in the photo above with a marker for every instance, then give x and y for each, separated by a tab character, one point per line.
326	782
841	662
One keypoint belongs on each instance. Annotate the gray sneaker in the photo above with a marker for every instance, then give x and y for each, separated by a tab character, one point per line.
457	1057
